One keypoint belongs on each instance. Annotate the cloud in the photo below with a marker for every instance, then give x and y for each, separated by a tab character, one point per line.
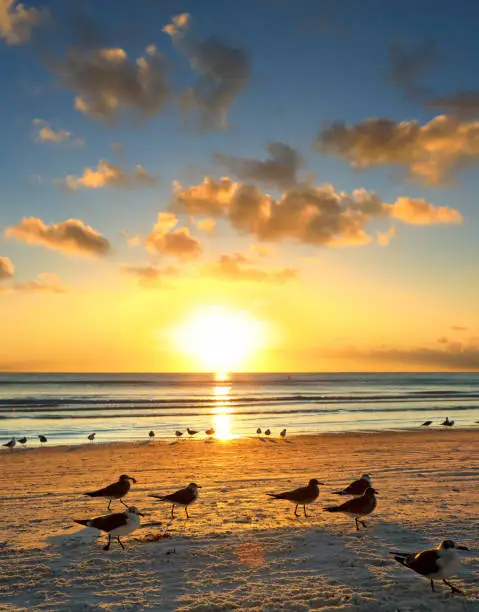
175	242
459	328
109	85
260	249
71	236
45	133
223	71
46	283
384	238
310	215
280	170
237	267
17	21
206	225
463	104
108	175
7	269
432	153
149	277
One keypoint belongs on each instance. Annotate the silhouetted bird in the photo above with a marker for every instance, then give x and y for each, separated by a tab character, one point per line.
447	422
302	496
192	432
117	490
184	497
151	434
258	431
358	487
426	424
359	506
11	444
115	525
267	432
43	439
436	564
210	432
22	440
91	436
283	433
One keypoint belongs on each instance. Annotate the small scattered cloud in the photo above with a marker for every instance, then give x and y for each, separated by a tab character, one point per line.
432	153
109	85
384	238
237	267
261	250
310	215
46	283
206	225
150	277
71	236
223	70
108	175
17	21
280	170
7	269
458	328
45	133
166	240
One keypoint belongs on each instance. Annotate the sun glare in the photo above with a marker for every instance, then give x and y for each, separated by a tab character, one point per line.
220	340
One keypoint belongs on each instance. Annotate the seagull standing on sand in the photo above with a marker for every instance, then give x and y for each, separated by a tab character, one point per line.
151	435
283	433
178	434
91	437
359	506
358	487
11	444
184	497
436	564
43	439
267	432
115	525
426	424
302	496
447	422
258	431
192	432
117	490
210	431
22	440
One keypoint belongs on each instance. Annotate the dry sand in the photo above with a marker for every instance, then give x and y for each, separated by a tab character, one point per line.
240	550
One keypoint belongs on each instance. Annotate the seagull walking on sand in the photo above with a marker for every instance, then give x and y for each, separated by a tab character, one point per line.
359	506
358	487
258	431
283	433
191	432
23	440
117	490
184	497
447	422
115	525
91	437
11	444
178	434
426	424
436	564
151	434
267	432
302	496
43	439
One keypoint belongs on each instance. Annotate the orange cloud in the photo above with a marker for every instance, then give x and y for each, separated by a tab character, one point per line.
384	238
237	267
168	241
206	225
149	276
45	133
46	282
417	211
432	153
17	21
7	269
71	236
108	175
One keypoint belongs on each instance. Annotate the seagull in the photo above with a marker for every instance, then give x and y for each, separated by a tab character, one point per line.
447	422
258	431
192	432
117	490
22	440
302	496
151	434
184	497
358	487
10	444
91	436
43	439
283	433
210	431
267	432
115	525
178	434
426	424
436	564
359	506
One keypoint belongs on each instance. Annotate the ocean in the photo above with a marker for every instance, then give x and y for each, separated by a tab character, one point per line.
67	407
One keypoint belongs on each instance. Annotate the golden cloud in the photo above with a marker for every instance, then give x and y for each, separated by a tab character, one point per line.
108	175
17	21
46	283
7	269
149	276
168	241
45	133
237	267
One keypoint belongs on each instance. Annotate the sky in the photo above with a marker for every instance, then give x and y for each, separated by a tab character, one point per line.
263	185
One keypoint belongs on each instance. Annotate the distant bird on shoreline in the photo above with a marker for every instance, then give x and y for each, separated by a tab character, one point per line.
151	434
191	432
184	497
436	564
43	439
447	422
117	490
22	440
358	487
91	437
178	434
283	433
267	432
210	432
426	424
302	496
258	431
359	506
115	525
11	444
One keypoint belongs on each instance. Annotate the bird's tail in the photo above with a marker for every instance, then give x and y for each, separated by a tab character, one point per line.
84	522
92	494
339	493
275	495
401	560
161	497
331	508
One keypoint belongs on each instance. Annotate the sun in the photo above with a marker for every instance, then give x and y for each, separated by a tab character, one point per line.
220	340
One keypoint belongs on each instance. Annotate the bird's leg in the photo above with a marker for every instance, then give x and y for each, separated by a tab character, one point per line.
122	502
432	586
304	509
296	510
452	587
357	525
173	511
107	546
363	523
186	510
109	504
120	542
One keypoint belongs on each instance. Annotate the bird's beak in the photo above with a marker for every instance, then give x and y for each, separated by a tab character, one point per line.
132	479
199	487
140	514
322	483
462	547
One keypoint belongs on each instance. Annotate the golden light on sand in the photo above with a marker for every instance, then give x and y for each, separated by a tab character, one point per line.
220	340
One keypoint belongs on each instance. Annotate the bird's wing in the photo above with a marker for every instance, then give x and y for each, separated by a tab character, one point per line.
117	489
352	505
357	487
183	496
109	522
425	562
295	495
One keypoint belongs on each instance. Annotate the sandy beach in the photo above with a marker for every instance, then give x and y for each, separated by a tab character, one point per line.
240	550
